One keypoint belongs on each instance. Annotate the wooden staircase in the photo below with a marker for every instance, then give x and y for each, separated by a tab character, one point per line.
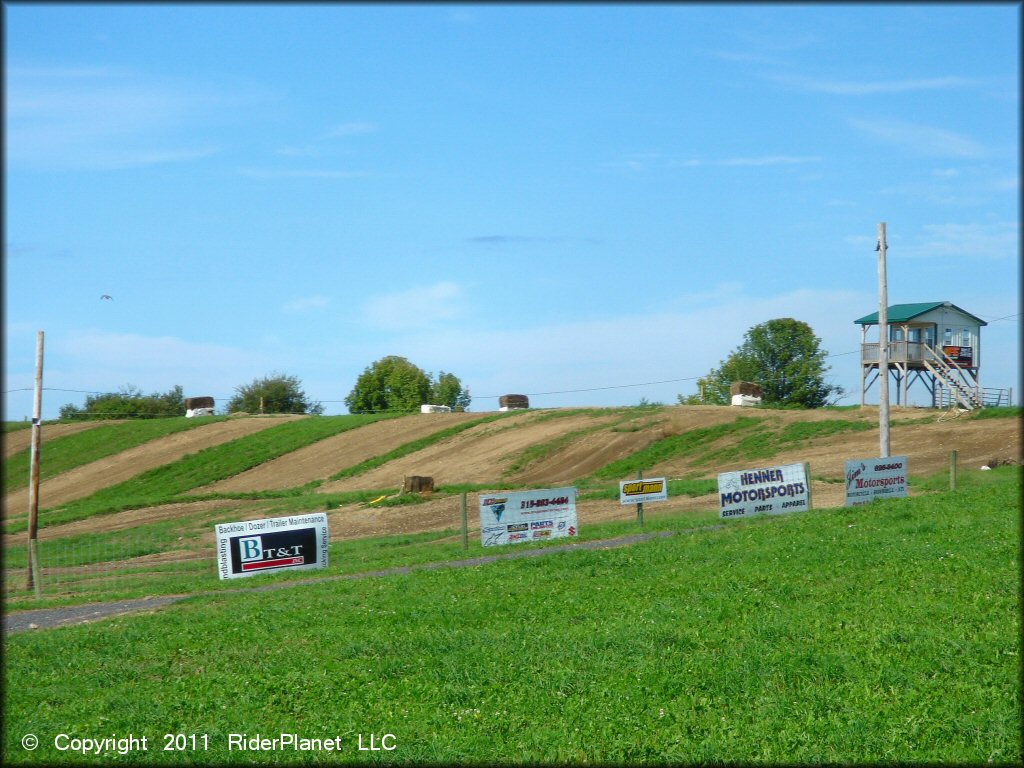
958	382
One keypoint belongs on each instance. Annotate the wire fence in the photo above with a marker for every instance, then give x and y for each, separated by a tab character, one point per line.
101	569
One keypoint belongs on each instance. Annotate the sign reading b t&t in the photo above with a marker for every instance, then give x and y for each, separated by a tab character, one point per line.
278	543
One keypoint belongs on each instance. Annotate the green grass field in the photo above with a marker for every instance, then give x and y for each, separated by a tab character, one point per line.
98	442
886	633
173	481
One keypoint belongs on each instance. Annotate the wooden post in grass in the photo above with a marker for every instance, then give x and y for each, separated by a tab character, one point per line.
640	504
807	475
32	553
952	470
465	523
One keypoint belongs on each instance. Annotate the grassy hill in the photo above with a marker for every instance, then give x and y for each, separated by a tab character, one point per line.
870	634
151	533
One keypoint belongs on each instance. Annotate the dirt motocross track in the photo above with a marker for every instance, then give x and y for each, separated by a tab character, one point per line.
89	478
574	444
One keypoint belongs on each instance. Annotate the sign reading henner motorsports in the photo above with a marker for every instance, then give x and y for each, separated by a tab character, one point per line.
770	490
246	548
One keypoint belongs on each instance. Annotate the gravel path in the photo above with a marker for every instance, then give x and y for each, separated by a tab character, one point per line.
48	618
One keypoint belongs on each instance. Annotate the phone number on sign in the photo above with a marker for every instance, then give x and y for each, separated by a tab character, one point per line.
535	503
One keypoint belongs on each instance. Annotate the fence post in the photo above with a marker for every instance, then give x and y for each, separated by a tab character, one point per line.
952	470
807	475
465	523
640	504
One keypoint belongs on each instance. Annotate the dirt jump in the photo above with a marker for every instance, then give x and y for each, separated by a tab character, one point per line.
534	448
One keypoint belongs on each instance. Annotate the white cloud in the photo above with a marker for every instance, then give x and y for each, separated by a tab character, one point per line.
964	242
299	173
130	352
305	151
307	304
746	57
349	129
769	160
644	162
606	354
920	139
93	360
463	16
101	118
872	88
1006	184
115	159
415	308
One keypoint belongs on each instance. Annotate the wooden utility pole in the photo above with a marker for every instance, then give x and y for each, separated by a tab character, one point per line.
883	346
32	555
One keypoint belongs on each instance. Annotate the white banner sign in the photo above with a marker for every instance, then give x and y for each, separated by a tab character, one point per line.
642	491
772	491
274	544
512	518
868	479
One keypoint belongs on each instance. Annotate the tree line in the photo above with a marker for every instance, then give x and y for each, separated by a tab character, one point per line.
782	356
390	384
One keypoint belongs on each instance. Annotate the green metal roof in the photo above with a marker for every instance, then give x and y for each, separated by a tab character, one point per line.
902	313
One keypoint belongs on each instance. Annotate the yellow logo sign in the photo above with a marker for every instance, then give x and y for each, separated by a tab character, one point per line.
643	487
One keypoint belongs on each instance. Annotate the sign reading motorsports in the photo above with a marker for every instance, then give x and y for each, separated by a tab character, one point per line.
274	544
868	479
512	518
772	491
642	491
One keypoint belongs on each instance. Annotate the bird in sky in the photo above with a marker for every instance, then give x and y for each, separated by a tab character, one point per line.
106	296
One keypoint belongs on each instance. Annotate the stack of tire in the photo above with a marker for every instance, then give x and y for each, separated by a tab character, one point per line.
745	393
745	388
417	484
198	406
513	402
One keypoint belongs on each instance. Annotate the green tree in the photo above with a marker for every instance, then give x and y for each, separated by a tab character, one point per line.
276	393
390	384
448	390
128	403
784	357
395	384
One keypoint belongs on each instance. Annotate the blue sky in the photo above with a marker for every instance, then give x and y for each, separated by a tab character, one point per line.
556	200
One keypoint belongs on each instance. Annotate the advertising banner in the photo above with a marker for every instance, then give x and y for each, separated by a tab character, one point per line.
512	518
959	355
642	491
274	544
868	479
772	491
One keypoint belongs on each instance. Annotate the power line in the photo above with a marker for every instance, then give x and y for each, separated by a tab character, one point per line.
475	397
1007	317
594	389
